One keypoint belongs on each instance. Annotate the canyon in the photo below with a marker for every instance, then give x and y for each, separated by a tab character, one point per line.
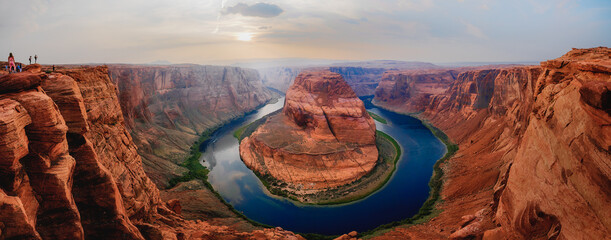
363	77
323	138
70	169
534	148
167	108
87	152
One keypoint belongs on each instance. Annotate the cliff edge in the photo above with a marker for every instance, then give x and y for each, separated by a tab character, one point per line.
535	150
70	170
323	138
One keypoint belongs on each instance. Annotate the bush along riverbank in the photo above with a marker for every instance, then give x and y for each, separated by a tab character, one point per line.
377	117
197	171
428	209
389	154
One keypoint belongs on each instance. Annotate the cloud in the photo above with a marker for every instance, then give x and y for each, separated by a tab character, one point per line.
263	10
474	31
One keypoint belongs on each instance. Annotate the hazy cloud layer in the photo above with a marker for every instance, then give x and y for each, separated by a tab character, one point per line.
263	10
218	31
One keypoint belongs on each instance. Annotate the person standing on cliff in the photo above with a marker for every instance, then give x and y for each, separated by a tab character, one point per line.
35	58
11	63
30	60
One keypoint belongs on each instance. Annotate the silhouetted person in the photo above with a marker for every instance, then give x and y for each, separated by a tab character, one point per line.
35	58
11	63
30	59
53	68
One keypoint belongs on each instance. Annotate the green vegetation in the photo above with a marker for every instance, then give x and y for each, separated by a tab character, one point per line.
196	170
248	129
428	210
377	117
390	153
316	236
238	133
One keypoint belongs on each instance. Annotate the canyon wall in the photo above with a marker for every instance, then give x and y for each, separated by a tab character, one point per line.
413	89
323	138
534	151
363	77
166	108
70	170
279	78
362	80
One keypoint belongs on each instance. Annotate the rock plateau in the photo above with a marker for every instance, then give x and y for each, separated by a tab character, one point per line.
323	138
69	168
166	108
535	149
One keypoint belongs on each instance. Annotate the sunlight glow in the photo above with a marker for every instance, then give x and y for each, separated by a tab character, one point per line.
245	36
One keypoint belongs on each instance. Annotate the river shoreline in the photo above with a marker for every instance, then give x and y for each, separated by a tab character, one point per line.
424	214
197	171
349	193
429	208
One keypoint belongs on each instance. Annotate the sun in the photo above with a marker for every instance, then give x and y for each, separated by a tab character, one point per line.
244	36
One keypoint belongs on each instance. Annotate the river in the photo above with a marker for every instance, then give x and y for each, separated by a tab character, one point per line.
400	198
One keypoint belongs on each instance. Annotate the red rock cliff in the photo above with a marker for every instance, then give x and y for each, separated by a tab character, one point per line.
69	168
534	151
414	88
63	144
323	138
167	107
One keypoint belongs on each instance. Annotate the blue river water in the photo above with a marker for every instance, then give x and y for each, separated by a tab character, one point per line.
400	198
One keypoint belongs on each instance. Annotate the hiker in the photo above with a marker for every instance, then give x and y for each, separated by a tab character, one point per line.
53	68
30	60
11	63
35	58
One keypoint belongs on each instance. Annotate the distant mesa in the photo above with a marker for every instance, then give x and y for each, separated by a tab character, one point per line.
323	138
160	62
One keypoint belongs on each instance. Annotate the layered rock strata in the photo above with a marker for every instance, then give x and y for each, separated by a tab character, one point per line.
534	151
362	79
323	138
70	170
166	108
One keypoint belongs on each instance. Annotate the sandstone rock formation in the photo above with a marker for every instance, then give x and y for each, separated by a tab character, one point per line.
363	77
362	80
166	108
323	138
534	151
69	169
413	88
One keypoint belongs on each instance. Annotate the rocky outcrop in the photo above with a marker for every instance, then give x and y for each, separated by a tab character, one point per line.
166	108
109	168
323	138
362	80
558	185
69	169
279	78
413	88
534	150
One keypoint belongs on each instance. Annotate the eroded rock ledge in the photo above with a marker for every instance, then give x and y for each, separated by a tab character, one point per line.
70	170
535	148
323	138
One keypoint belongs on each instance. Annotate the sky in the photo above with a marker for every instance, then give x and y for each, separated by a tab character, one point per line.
222	31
